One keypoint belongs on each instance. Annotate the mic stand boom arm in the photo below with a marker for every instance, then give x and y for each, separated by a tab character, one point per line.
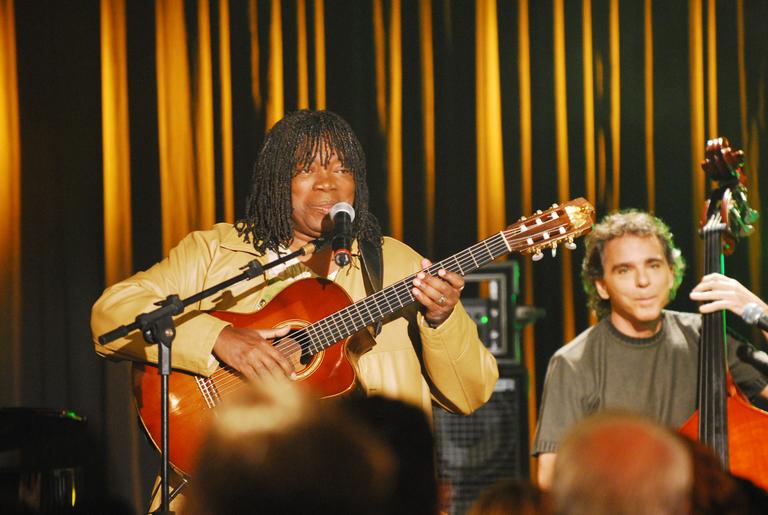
157	326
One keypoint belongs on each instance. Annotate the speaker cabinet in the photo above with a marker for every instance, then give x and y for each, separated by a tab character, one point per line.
475	451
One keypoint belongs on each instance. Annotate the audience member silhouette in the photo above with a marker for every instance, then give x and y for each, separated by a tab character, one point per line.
619	463
407	432
277	450
511	497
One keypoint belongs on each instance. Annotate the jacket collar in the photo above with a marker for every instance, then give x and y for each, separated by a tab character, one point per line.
233	241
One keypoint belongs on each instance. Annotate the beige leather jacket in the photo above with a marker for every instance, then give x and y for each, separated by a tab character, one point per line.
458	372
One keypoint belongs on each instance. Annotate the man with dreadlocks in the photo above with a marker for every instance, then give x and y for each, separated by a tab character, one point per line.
310	160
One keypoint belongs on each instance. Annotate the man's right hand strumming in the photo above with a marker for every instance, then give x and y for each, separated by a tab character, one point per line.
250	351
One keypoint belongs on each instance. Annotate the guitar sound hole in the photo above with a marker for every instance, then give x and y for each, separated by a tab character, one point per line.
290	347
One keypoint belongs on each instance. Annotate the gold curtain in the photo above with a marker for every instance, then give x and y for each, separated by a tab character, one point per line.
696	74
526	180
275	98
174	122
650	154
381	67
615	75
227	158
395	124
204	152
118	262
10	209
253	25
563	167
428	116
589	103
187	185
491	207
319	54
302	60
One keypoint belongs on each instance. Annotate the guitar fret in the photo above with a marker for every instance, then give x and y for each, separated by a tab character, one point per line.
384	295
327	329
472	255
205	390
309	330
336	329
370	315
396	297
408	295
488	250
361	319
504	239
461	270
317	342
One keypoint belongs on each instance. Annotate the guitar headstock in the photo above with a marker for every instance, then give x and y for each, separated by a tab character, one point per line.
727	203
547	229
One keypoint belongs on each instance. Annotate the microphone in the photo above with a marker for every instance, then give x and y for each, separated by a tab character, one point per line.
757	358
342	215
752	314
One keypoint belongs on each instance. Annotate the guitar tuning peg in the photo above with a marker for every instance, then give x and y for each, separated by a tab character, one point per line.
537	256
523	218
538	211
570	245
555	205
554	249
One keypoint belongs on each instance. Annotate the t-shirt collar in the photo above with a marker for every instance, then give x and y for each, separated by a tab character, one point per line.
639	341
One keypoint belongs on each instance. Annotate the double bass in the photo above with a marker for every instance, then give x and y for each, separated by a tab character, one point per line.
725	420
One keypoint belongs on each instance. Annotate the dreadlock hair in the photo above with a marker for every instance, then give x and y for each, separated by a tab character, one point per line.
293	142
615	225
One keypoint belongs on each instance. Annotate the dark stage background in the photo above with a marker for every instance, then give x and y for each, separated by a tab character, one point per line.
611	100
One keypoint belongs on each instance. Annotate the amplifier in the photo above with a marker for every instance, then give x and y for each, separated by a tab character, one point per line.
475	451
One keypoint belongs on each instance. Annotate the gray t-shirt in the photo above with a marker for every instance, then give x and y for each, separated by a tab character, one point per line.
657	376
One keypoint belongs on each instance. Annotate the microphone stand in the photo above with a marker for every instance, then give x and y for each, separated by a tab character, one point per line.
158	327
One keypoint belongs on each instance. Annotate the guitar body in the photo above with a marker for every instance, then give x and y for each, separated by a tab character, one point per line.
192	397
747	430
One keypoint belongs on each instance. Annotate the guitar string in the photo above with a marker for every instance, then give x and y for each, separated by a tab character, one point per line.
233	380
402	288
301	337
225	378
395	292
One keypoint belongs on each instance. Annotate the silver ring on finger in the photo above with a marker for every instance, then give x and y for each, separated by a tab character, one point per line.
441	300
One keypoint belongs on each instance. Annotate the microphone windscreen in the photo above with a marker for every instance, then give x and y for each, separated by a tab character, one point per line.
342	207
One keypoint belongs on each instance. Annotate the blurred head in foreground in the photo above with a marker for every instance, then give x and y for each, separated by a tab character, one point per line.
277	450
620	463
511	497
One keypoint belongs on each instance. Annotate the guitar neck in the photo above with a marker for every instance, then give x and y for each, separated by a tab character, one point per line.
346	322
544	229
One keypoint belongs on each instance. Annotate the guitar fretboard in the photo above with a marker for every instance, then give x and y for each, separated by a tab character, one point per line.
380	305
543	229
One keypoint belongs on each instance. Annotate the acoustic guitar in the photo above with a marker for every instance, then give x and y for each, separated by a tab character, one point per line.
323	318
